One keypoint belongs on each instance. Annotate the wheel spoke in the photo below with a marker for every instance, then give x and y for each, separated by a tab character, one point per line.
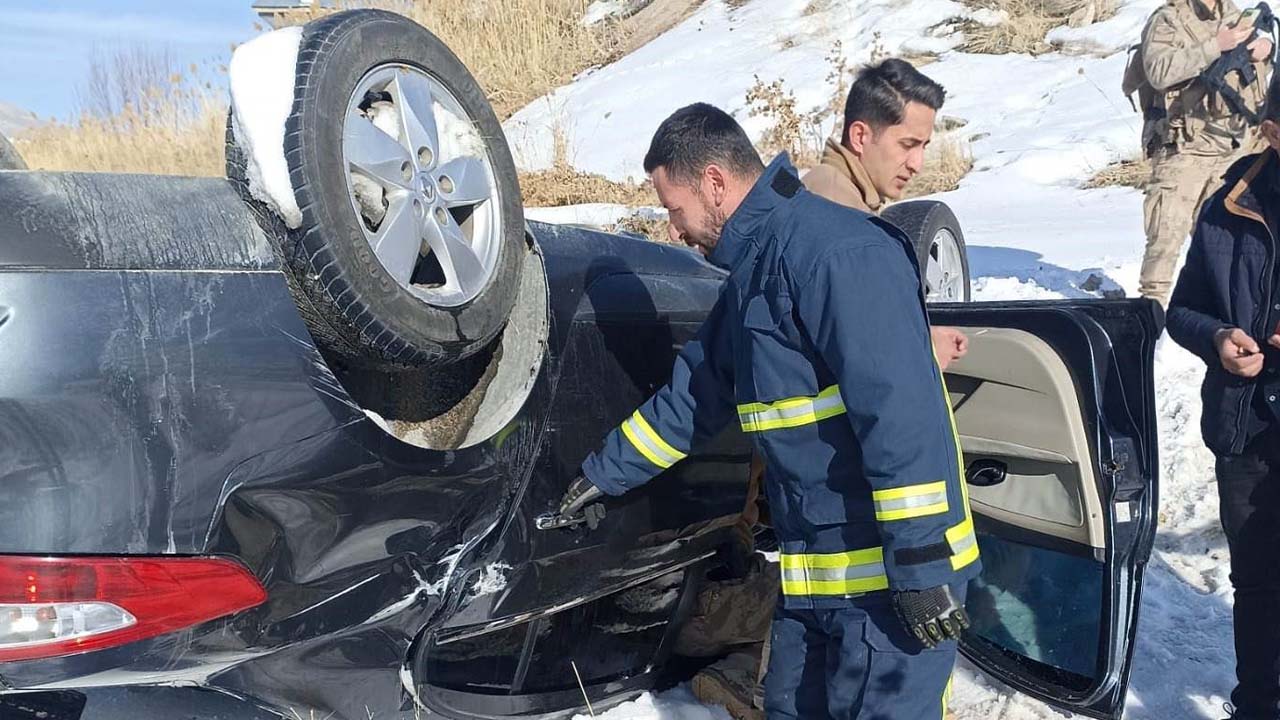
375	153
463	270
413	98
469	181
398	241
933	276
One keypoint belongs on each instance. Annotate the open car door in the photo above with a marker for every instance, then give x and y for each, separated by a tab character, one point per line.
1054	407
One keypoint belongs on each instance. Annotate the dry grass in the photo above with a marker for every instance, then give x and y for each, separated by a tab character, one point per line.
946	162
1126	173
1027	22
562	184
138	114
517	49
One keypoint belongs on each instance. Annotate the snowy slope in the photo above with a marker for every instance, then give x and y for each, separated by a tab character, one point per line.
1039	128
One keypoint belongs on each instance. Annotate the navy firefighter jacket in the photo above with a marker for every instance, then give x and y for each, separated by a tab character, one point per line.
818	346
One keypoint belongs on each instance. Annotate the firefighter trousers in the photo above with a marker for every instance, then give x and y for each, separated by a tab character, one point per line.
854	663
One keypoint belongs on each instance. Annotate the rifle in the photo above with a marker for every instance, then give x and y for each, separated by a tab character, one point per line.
1238	60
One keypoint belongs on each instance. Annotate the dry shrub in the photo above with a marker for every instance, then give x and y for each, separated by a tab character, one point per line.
138	114
1126	173
946	161
517	49
563	184
1028	22
646	223
801	135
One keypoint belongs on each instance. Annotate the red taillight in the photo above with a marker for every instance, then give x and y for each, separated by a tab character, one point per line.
62	606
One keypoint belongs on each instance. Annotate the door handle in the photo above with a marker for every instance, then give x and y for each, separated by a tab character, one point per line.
591	517
986	473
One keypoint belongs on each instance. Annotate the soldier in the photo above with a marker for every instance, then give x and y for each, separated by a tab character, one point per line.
1191	133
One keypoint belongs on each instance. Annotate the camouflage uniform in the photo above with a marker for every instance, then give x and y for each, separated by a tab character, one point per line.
1197	139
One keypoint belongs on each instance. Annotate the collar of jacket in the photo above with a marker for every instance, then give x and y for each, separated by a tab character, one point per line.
775	186
838	158
1200	9
1261	179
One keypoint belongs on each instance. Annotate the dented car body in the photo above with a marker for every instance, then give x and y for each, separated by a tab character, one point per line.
167	423
162	397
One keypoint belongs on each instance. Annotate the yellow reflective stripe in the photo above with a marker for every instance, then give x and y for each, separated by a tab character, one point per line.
789	402
844	573
641	447
657	440
832	560
810	588
963	541
648	443
946	696
791	412
912	501
913	512
964	544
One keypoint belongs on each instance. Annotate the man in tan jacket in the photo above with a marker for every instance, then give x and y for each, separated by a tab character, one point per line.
1193	133
888	123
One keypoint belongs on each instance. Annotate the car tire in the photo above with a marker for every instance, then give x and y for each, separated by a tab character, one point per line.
9	157
444	291
935	234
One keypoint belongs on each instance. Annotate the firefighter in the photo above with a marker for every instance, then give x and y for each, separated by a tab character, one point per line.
819	348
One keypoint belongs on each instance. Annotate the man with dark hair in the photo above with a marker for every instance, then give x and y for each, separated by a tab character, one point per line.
1226	309
818	347
888	123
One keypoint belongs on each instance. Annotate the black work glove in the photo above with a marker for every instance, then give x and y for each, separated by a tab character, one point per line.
932	615
581	491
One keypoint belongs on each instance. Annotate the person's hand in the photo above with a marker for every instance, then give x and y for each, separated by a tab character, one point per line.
1274	340
581	491
1260	49
1229	38
1239	354
932	616
949	345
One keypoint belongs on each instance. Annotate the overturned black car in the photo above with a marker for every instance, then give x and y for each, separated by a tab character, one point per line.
255	470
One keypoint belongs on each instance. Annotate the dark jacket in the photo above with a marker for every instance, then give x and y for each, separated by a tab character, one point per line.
1228	281
819	348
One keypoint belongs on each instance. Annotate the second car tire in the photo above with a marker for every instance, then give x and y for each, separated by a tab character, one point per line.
938	242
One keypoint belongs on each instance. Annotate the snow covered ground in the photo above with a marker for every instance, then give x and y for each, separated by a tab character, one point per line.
1039	128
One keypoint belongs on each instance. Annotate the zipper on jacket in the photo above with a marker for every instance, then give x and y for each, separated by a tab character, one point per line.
1267	302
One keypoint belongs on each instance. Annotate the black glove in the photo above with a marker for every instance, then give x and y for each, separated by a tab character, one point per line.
932	615
581	491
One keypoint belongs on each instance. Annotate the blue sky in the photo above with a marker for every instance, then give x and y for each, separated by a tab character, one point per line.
46	45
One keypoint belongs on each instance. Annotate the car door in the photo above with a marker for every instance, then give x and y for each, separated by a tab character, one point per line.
1054	408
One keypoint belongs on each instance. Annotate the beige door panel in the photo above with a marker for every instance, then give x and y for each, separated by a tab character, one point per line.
1015	402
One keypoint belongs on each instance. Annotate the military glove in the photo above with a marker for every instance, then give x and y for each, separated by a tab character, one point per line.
932	615
581	491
